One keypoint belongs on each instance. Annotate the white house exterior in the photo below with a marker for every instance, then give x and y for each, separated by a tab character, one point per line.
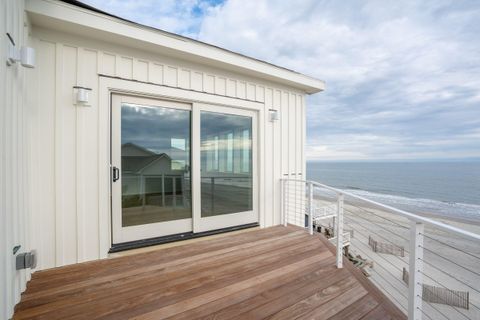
57	195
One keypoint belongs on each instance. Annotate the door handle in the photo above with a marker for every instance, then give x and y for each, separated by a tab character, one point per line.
115	174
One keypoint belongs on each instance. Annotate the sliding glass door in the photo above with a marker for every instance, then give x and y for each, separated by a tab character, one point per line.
178	168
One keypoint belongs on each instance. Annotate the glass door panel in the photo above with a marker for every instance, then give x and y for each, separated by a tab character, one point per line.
151	153
226	162
226	158
155	164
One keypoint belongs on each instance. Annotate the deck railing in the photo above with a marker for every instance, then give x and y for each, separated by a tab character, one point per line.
430	269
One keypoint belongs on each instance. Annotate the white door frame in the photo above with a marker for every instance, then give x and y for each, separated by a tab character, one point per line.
201	224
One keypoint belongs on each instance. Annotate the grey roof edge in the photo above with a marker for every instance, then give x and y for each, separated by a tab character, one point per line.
174	35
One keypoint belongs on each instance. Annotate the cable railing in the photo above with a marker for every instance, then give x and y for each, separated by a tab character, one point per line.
430	269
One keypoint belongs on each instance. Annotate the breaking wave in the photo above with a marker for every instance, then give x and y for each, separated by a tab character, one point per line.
420	205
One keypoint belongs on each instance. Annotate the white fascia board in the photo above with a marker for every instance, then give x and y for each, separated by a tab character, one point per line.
66	17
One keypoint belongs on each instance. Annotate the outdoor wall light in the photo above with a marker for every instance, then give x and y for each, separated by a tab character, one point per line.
81	96
26	55
274	116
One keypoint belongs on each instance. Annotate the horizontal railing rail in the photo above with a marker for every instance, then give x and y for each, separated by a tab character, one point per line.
408	215
415	260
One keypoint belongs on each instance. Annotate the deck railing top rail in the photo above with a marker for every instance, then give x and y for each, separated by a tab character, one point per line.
406	214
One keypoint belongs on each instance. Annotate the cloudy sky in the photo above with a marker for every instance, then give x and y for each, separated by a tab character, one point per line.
403	77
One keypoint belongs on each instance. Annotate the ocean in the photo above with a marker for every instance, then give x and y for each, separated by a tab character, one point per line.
449	189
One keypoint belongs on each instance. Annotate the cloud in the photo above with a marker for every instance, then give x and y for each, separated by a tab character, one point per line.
403	77
178	16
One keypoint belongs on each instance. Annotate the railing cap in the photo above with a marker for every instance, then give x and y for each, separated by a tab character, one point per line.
410	216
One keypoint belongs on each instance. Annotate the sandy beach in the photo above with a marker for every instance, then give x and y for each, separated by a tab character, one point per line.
450	261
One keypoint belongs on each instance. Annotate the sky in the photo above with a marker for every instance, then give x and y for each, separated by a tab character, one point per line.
402	77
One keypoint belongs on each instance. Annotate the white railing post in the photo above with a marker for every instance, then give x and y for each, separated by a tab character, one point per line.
310	207
415	282
284	197
339	230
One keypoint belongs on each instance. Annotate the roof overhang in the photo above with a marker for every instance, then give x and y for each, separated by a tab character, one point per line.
76	20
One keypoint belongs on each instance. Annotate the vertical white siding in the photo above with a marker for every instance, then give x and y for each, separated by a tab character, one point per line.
14	169
269	159
109	63
277	155
43	155
155	74
87	139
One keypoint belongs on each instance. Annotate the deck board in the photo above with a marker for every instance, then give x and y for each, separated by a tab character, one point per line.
273	273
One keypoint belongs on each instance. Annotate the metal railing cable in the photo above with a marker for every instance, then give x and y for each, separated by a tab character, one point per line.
364	251
443	286
366	237
379	216
387	293
399	281
452	247
453	262
388	240
294	202
400	236
426	314
351	224
437	310
453	307
451	276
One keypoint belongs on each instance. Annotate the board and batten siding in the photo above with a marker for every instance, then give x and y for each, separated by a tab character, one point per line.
66	151
14	158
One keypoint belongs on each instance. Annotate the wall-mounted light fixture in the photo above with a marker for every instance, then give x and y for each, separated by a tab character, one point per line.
26	55
273	115
81	96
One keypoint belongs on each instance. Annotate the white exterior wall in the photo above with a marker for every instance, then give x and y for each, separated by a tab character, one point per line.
14	154
67	148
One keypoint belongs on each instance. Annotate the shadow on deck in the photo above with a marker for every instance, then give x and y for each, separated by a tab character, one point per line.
275	273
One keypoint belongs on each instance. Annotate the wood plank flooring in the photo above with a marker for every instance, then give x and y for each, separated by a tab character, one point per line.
273	273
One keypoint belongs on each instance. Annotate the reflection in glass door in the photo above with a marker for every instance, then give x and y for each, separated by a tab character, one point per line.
153	149
226	163
155	164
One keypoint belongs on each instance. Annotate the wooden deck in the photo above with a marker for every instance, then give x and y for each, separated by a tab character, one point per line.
275	273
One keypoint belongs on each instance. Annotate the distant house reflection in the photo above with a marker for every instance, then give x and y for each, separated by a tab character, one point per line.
153	180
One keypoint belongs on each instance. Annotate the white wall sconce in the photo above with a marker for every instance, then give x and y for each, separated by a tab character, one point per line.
26	55
273	115
81	96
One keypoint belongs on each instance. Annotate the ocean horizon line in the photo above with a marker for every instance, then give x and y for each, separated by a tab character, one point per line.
443	160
